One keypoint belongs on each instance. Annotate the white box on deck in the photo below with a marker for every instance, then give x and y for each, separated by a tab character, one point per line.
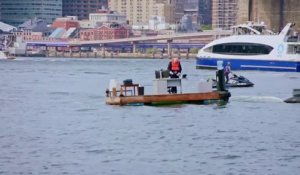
205	86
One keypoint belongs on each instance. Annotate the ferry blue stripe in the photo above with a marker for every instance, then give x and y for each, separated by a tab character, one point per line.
242	64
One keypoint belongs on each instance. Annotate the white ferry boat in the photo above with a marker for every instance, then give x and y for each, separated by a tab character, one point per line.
253	47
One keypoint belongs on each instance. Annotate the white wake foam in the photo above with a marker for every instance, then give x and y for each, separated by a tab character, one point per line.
261	99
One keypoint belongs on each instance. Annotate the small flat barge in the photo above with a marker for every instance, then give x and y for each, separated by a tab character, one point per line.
132	94
168	99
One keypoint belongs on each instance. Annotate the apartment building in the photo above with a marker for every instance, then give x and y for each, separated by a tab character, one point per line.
82	8
165	10
15	12
224	13
137	12
205	12
179	10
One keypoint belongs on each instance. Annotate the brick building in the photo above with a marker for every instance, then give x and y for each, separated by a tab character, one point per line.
65	23
112	31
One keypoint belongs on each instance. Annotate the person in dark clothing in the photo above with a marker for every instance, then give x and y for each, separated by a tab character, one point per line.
227	71
175	69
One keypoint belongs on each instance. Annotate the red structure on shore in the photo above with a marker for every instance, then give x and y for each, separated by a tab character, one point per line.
111	31
65	23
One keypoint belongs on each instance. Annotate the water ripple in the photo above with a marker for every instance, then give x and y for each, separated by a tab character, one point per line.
99	73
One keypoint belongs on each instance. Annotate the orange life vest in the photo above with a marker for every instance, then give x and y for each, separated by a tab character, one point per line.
175	65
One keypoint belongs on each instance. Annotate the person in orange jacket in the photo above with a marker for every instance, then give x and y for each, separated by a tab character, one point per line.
175	69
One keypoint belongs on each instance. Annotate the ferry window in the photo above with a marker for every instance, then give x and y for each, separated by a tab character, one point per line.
241	49
293	49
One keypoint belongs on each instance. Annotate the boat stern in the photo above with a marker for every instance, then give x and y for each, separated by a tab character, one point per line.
225	95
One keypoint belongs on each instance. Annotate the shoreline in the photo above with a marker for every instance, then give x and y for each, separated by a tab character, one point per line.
110	55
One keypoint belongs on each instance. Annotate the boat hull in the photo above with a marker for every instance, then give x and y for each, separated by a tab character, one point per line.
194	98
236	85
250	64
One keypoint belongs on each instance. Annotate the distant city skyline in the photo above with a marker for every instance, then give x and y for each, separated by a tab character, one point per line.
82	8
15	12
218	13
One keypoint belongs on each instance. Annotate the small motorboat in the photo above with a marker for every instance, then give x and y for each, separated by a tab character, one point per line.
295	98
130	93
236	81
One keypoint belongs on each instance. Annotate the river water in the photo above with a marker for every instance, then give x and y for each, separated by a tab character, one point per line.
53	120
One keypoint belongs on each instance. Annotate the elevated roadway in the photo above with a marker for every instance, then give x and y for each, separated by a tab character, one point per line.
168	38
196	40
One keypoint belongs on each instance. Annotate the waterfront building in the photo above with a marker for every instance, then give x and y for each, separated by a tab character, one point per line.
166	11
15	12
65	28
102	16
138	12
82	8
107	16
6	35
224	13
6	27
106	31
33	29
186	24
205	12
191	9
66	23
179	10
157	23
86	24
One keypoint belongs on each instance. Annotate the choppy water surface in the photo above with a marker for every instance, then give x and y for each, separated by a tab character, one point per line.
53	120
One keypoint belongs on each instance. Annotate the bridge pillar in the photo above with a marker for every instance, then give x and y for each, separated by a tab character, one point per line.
178	52
79	51
103	50
56	50
46	51
169	48
70	51
134	46
63	51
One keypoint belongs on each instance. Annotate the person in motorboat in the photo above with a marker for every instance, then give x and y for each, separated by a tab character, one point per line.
175	69
227	71
236	81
